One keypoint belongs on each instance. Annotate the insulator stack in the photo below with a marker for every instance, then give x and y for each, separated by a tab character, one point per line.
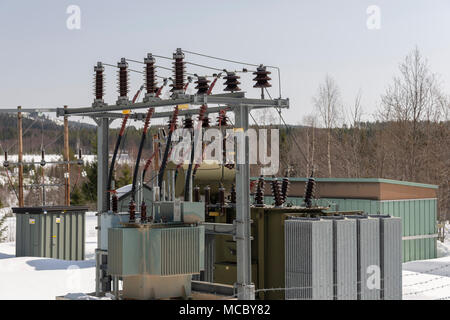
115	203
99	81
174	119
259	196
276	192
202	85
222	120
197	194
123	77
262	77
143	212
150	74
202	112
285	189
206	123
179	70
233	194
188	123
231	82
132	211
309	192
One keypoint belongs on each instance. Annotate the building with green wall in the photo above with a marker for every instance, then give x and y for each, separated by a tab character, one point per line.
414	203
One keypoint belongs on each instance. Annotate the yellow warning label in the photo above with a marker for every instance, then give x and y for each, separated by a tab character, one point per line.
126	111
32	221
214	214
183	106
238	129
58	220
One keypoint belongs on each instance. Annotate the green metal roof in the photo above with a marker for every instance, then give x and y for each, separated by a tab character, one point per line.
365	180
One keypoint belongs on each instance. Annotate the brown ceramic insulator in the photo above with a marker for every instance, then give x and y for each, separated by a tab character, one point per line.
143	212
178	71
99	81
284	189
259	196
202	112
188	123
150	74
309	192
231	82
115	203
222	119
123	78
202	85
132	211
276	192
206	123
262	77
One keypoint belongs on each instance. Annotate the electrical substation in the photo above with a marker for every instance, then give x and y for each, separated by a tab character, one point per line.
207	228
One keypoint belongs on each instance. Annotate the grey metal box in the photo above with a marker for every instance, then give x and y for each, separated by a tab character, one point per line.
51	232
308	259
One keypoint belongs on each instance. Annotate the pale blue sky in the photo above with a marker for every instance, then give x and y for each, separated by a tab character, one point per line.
45	64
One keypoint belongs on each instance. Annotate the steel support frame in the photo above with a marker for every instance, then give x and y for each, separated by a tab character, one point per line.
245	289
102	180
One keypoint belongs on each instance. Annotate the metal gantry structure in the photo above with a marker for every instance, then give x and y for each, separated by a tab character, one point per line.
234	101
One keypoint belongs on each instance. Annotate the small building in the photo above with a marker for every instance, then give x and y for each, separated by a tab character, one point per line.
414	203
124	195
52	232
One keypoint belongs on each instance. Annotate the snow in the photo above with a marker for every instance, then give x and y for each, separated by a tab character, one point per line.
34	278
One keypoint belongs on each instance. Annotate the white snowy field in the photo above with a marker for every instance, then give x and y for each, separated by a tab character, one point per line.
29	278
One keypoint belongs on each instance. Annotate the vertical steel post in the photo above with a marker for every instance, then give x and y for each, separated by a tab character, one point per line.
102	181
244	286
66	158
20	157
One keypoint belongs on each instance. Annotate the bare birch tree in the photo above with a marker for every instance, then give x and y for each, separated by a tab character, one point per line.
328	105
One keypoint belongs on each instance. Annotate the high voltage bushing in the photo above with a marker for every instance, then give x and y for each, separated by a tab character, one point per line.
259	196
206	123
115	203
202	85
6	162
132	211
173	120
276	192
179	70
143	212
262	77
188	123
202	112
222	119
231	82
150	75
123	79
284	189
99	81
309	191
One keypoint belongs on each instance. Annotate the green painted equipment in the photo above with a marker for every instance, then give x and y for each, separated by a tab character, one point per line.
51	232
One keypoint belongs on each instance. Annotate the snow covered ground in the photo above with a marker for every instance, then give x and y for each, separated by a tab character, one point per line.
44	279
29	278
